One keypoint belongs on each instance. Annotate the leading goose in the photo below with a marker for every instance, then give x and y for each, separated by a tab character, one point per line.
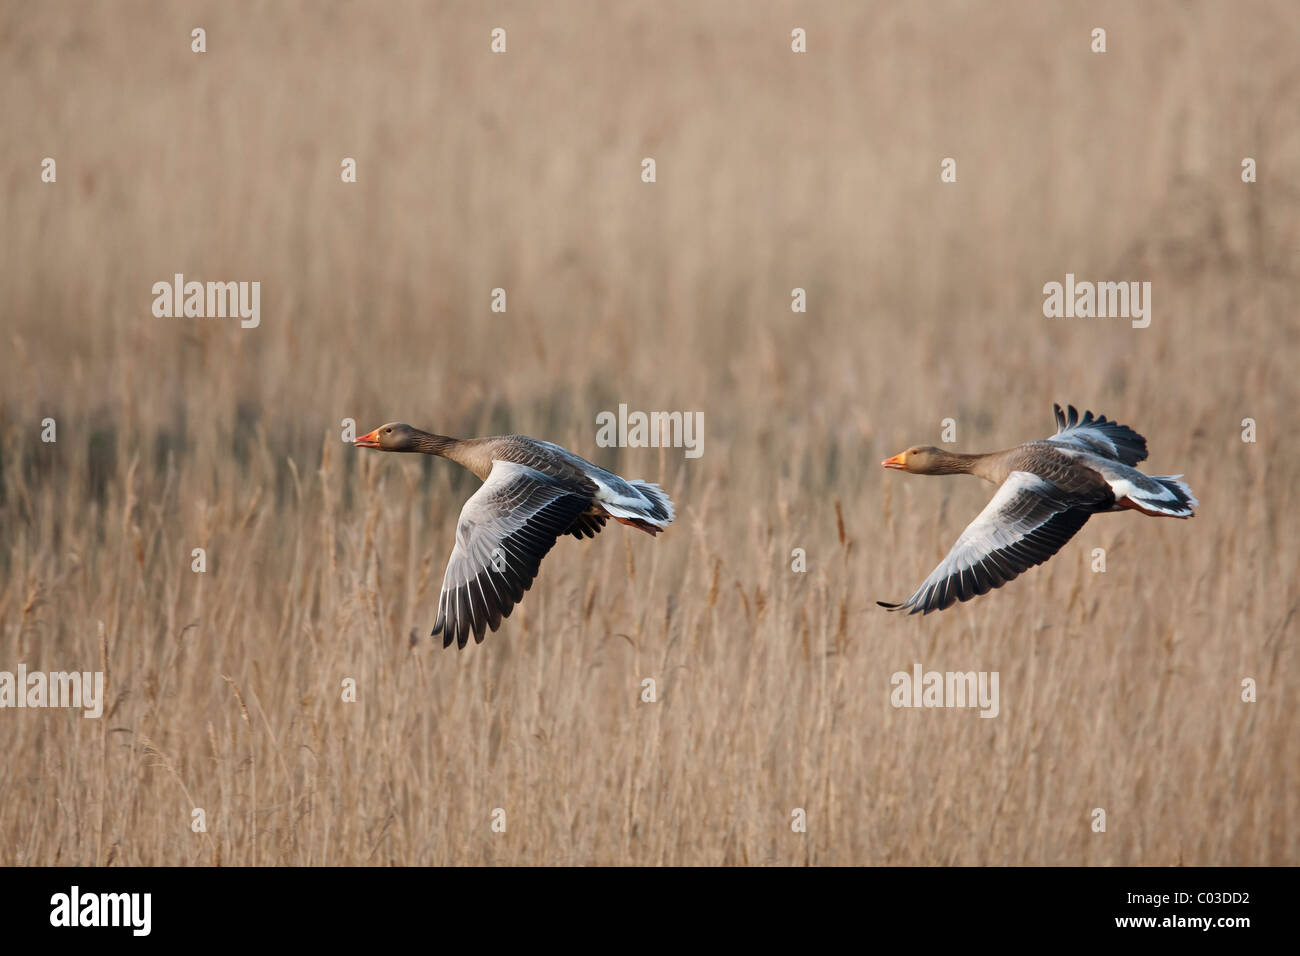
533	492
1049	488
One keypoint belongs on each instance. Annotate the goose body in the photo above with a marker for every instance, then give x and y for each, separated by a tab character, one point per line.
1047	490
533	492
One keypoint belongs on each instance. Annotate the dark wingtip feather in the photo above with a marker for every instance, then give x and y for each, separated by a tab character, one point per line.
1130	448
889	607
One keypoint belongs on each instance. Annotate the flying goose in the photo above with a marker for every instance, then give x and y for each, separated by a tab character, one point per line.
533	492
1049	488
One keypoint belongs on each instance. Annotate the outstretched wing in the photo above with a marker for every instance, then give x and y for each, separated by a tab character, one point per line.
1027	521
505	530
1098	436
587	526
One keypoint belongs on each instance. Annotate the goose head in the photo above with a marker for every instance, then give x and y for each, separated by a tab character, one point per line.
919	460
395	436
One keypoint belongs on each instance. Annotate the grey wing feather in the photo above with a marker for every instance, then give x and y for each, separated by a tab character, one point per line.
505	529
1027	521
1098	436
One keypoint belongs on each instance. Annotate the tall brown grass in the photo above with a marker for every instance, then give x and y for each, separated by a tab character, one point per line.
1119	690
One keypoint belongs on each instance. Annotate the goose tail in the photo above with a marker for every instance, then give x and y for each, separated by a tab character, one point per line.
652	513
1175	501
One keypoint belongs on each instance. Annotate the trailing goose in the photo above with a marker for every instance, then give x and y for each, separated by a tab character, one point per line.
1048	489
533	492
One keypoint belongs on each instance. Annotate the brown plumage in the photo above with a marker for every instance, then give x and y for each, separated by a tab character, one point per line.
533	492
1048	490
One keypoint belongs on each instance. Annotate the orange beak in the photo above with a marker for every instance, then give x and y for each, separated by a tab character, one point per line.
896	461
368	440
